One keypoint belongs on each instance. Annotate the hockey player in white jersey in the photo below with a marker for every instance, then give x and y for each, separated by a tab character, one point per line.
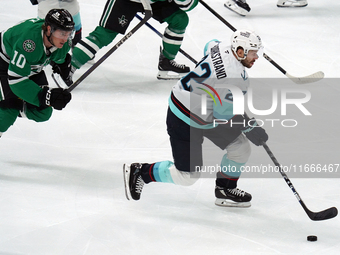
189	122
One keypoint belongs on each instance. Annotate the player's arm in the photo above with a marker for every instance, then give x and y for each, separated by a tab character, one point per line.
65	69
19	71
249	127
20	84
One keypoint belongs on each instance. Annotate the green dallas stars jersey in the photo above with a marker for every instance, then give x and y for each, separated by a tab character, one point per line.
22	45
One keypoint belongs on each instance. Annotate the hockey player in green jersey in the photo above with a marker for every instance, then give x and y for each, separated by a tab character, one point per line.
25	50
116	18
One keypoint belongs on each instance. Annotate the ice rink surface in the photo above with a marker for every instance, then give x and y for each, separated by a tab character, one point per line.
61	183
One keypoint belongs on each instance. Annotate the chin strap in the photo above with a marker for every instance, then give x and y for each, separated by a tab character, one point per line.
49	39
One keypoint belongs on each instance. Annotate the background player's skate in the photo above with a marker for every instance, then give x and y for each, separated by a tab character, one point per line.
292	3
169	69
238	6
133	181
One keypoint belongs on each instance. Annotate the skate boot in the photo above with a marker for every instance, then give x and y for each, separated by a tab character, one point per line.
232	197
292	3
166	65
238	6
133	181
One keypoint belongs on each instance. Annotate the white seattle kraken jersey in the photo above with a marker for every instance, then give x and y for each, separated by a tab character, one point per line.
202	95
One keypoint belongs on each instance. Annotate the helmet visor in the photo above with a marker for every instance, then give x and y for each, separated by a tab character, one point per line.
63	34
255	53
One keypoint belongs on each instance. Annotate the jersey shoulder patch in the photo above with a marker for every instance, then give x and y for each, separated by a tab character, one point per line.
29	45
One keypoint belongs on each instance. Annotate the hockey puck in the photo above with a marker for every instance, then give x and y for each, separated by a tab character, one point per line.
312	238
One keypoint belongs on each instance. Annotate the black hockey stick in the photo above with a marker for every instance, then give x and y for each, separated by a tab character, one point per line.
159	33
298	80
322	215
148	15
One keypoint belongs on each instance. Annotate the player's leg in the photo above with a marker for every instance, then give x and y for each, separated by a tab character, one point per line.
187	154
87	48
238	152
10	104
115	19
7	117
226	191
173	36
32	112
74	9
78	29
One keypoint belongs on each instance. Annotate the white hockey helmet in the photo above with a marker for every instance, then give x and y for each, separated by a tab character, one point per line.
245	39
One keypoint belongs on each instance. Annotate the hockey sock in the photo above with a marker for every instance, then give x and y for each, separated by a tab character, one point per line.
88	47
230	173
77	37
77	28
157	172
225	181
174	33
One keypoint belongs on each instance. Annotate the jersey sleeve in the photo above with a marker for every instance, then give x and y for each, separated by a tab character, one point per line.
186	5
19	71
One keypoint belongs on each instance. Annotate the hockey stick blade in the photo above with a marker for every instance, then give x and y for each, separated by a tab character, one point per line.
316	216
306	79
323	215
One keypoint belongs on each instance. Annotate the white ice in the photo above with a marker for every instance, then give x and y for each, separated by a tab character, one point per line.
61	183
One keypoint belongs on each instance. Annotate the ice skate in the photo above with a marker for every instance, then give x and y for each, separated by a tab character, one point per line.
133	181
292	3
166	67
232	197
238	6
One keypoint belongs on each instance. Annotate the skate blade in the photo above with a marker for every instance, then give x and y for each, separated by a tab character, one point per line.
237	10
230	203
290	4
169	75
126	173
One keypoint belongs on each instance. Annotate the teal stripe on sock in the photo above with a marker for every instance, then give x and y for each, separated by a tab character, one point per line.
77	21
231	168
161	171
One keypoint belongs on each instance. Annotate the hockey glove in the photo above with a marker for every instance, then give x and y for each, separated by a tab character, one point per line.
65	70
254	133
58	98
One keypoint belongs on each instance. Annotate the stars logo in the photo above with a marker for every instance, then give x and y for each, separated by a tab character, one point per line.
122	21
28	45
